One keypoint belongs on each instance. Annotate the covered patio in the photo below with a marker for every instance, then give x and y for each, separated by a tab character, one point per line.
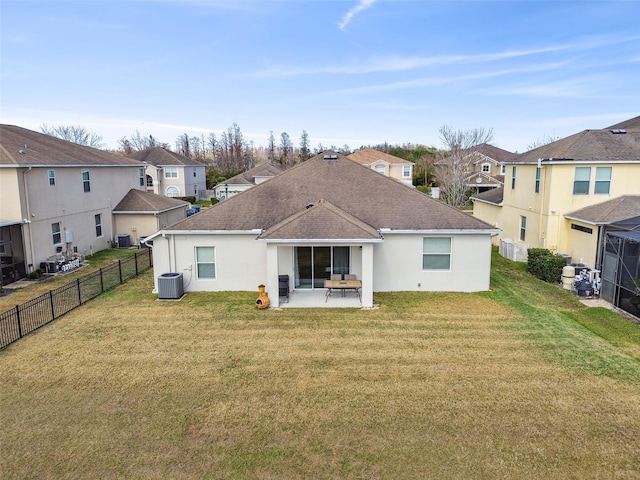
317	298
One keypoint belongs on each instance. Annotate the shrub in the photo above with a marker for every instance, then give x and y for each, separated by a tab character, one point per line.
545	265
35	274
191	199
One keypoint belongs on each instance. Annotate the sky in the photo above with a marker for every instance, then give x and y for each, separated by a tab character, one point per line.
355	73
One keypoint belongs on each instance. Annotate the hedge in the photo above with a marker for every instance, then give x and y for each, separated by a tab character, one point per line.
545	265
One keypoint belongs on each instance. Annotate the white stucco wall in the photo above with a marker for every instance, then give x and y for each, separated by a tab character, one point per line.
397	265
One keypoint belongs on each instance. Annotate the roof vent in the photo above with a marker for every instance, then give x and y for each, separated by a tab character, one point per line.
331	157
21	151
309	205
618	131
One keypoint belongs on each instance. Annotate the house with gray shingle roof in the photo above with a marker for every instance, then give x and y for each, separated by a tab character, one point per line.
56	199
172	175
385	164
245	180
560	195
328	216
140	214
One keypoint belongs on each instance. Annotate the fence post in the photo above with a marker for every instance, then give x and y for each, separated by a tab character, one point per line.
120	269
53	311
101	282
79	294
19	322
135	259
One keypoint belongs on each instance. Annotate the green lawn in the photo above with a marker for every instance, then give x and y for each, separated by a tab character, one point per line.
519	382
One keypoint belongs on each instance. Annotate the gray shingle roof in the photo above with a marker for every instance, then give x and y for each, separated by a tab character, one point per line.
614	210
494	196
139	201
39	149
371	198
591	145
248	177
161	157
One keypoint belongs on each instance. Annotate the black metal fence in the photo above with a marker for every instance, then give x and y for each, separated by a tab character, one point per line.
31	315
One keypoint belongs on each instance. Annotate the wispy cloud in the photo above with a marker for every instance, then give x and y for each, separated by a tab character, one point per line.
362	5
398	63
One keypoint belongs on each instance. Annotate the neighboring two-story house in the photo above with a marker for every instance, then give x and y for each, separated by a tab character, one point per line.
544	201
388	165
56	199
170	174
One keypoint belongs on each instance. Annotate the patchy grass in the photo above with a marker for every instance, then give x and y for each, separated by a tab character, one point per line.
500	384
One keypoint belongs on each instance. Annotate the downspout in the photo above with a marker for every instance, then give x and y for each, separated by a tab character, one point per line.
28	222
541	241
600	248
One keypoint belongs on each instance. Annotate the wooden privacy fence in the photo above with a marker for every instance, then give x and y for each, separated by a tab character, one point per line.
31	315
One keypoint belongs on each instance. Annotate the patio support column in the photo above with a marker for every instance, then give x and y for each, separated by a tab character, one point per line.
272	275
367	275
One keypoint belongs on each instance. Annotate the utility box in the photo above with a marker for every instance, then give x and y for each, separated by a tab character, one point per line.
123	240
170	286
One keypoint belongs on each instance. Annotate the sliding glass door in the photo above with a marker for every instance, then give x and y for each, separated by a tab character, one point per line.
314	265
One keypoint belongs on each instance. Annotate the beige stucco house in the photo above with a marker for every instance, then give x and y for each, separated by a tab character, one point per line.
548	191
56	199
388	165
140	214
327	216
170	174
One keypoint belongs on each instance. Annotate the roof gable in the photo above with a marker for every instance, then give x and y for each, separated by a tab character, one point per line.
611	211
139	201
368	156
321	220
373	199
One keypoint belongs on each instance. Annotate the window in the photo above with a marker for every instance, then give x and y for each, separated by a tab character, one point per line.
503	169
580	228
513	177
52	178
436	253
538	174
581	181
172	192
170	172
98	220
380	169
55	232
603	180
523	228
86	183
141	176
194	173
205	263
486	168
406	171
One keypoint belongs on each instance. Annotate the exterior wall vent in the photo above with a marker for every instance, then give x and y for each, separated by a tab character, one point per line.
331	157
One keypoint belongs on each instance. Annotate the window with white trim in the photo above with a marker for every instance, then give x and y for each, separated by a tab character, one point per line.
513	177
503	169
98	220
205	263
486	168
436	253
86	182
52	177
538	176
170	172
172	192
603	180
141	176
380	169
581	179
406	171
55	233
523	228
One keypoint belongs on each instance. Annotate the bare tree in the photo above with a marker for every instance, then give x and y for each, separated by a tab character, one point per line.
540	142
74	134
305	151
138	143
183	145
456	167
